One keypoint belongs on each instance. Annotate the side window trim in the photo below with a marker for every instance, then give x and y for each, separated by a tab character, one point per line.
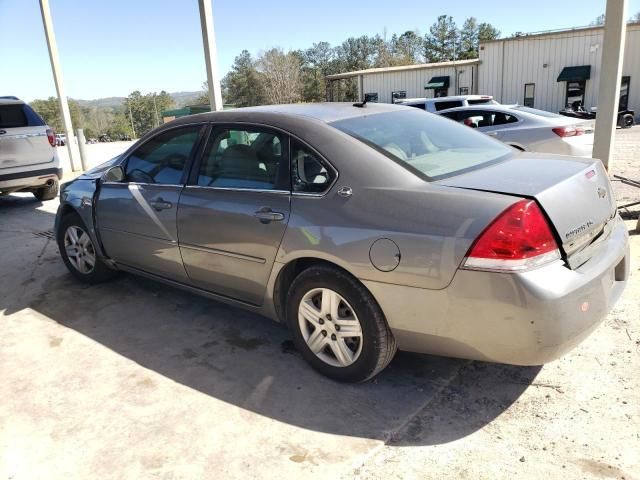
213	129
195	151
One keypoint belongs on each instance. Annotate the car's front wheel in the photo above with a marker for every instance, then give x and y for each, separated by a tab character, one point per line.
79	253
338	326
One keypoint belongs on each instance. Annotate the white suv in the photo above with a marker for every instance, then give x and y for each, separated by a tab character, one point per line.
443	103
28	158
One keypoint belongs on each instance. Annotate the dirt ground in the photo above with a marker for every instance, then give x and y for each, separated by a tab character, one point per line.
132	380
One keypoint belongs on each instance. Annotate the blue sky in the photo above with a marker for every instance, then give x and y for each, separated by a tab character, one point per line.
110	48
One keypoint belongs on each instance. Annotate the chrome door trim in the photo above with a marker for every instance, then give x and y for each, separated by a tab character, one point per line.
232	189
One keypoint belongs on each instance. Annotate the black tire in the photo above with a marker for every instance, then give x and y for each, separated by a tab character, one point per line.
100	271
627	121
47	192
378	343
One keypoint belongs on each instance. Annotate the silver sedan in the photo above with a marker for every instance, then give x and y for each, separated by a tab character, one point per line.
528	129
364	228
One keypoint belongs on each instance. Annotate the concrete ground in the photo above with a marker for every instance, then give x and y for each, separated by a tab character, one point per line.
132	379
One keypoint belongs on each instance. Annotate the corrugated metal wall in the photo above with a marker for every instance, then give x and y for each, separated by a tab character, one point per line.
524	59
413	81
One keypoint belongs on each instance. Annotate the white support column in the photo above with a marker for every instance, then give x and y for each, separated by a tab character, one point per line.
615	29
57	78
210	54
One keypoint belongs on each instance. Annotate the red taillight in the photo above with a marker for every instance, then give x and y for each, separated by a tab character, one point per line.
518	239
51	136
568	131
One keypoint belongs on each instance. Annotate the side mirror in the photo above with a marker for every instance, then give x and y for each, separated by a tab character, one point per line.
113	174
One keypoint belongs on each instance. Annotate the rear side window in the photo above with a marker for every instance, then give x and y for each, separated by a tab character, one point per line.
162	159
308	173
416	105
19	115
448	104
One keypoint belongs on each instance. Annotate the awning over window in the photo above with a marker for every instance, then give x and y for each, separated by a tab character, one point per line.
438	82
575	74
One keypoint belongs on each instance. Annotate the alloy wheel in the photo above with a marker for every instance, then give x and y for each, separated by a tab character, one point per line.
79	249
330	327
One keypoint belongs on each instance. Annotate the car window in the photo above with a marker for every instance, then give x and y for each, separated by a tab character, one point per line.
448	104
485	118
427	145
481	101
162	159
19	115
308	173
12	116
245	158
416	105
535	111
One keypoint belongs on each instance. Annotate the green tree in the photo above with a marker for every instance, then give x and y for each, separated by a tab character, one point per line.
441	41
469	39
487	32
408	48
242	86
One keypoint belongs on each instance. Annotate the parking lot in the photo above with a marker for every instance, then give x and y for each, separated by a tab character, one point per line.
133	379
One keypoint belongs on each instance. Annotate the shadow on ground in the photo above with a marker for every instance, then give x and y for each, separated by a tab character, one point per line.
247	360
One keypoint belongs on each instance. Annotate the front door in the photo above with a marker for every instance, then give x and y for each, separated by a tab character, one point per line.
234	212
136	218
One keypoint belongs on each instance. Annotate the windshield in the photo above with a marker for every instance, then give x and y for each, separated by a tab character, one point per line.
535	111
429	146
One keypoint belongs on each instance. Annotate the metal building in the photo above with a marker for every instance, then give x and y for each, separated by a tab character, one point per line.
395	83
545	70
550	70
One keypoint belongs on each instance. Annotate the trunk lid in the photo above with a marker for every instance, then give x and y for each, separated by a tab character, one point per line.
23	137
575	194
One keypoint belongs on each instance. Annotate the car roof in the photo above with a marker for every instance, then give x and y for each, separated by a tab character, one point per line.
325	112
10	100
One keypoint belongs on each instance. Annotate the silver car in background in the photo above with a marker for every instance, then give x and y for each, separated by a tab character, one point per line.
364	228
28	158
528	129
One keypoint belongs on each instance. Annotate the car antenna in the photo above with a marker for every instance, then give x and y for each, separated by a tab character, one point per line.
361	104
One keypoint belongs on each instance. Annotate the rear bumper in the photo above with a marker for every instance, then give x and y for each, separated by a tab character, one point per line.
527	318
27	179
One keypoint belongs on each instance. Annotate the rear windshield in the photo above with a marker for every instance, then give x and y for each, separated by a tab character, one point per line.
18	115
429	146
535	111
481	101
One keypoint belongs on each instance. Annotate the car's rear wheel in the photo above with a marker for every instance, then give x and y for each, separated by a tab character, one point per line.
48	192
338	326
626	121
79	253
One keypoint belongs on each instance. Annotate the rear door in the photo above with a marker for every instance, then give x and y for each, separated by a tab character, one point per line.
234	212
23	137
136	218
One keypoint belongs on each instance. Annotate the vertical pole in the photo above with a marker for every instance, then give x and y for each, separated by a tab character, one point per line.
210	54
81	147
57	78
131	120
615	28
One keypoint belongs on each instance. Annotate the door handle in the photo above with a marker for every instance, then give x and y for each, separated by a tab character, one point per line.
266	215
160	204
492	134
